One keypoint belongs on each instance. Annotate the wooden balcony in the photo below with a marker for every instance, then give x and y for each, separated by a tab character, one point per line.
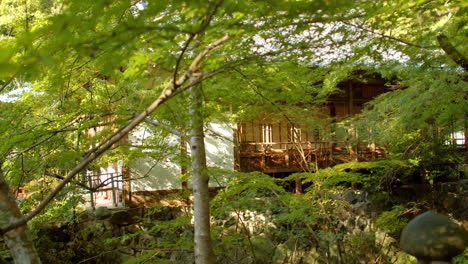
296	157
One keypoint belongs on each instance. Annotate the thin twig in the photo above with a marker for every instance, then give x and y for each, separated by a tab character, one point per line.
6	83
99	255
61	129
166	127
192	36
84	186
247	233
382	35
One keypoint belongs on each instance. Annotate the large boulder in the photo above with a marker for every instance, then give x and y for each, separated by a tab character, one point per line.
433	237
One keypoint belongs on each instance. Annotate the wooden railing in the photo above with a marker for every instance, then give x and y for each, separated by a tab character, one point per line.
110	183
276	157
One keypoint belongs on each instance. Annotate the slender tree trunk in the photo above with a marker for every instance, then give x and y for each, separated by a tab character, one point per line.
203	247
18	239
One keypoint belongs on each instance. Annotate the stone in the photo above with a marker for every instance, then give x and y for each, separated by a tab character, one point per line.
384	239
449	201
354	196
449	187
102	213
361	208
462	186
126	251
86	215
162	213
182	257
350	196
126	217
433	237
145	240
55	232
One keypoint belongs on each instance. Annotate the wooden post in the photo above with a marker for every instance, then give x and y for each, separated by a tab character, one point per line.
91	193
114	200
126	186
237	133
183	165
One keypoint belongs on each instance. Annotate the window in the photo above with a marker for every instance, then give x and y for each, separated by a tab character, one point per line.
456	139
267	133
294	134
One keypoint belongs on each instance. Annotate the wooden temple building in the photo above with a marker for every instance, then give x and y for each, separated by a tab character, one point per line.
270	142
284	145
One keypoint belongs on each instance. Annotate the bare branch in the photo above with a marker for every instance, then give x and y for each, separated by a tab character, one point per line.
213	133
192	36
196	62
84	186
147	172
5	84
179	59
382	35
99	255
166	127
61	129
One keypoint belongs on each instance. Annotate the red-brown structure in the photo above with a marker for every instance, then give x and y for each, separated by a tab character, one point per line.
283	145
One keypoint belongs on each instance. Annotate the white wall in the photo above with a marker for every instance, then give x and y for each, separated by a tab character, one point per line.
219	150
151	174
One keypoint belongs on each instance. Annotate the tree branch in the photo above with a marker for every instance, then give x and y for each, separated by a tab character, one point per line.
196	62
61	129
382	35
84	186
192	36
453	53
5	84
166	127
166	94
231	64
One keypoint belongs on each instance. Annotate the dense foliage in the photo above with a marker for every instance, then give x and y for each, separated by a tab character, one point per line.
69	66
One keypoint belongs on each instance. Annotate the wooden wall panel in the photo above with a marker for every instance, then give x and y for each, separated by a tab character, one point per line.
357	108
341	109
249	132
369	91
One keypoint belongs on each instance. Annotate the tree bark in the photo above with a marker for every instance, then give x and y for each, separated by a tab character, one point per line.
203	247
452	52
18	239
